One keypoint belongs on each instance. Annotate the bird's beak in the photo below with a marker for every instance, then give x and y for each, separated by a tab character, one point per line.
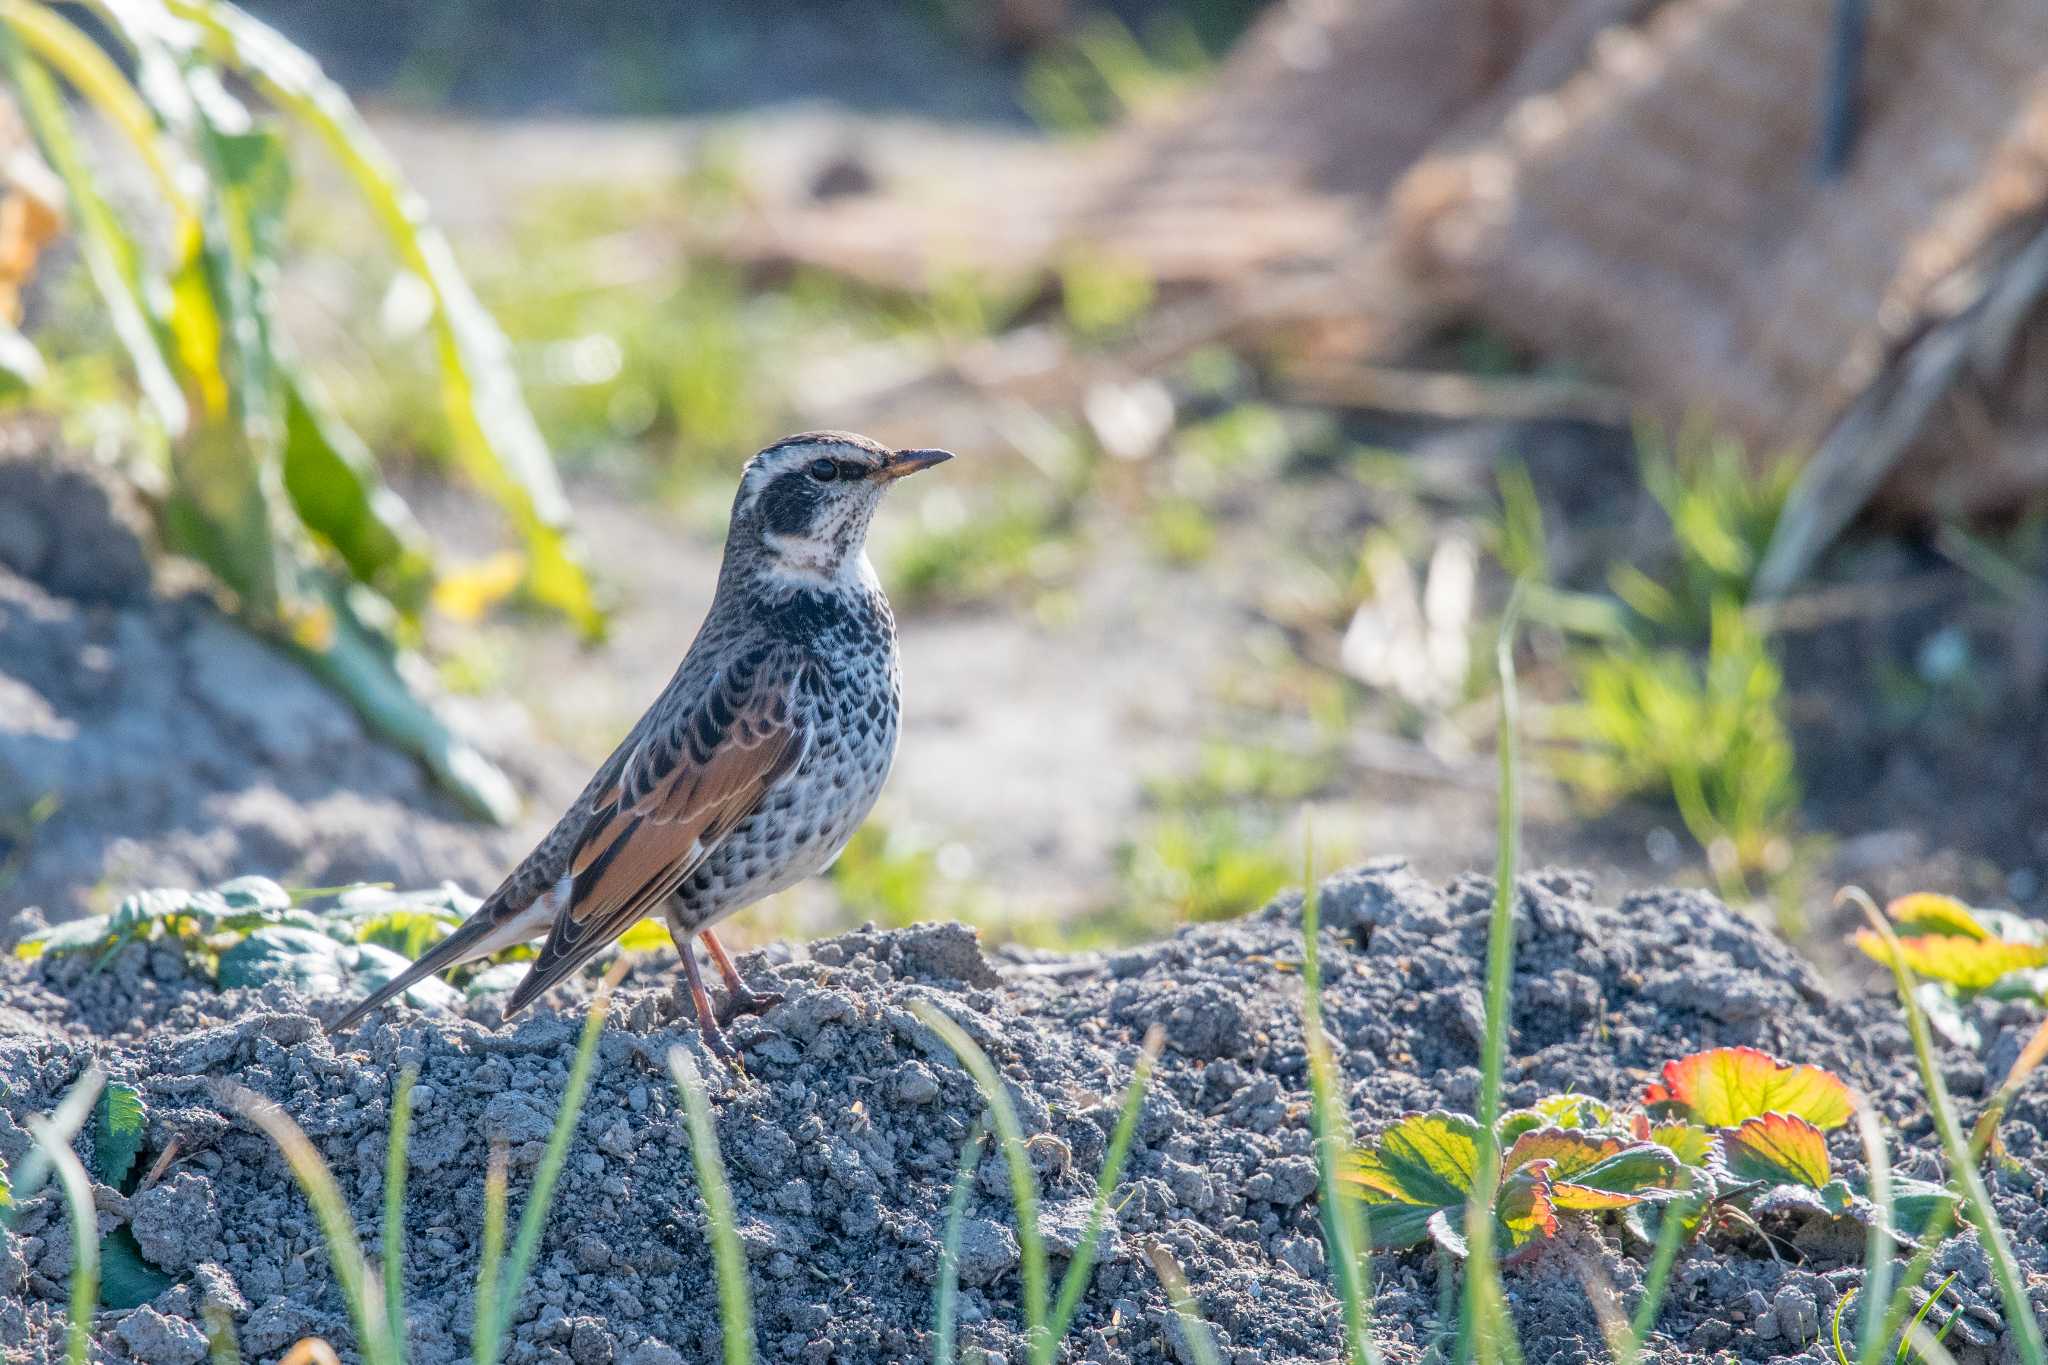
910	461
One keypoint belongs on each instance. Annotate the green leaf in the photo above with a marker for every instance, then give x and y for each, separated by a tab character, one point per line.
1576	1111
1417	1168
117	1133
1423	1159
1915	1204
335	488
409	933
491	980
253	893
1729	1085
1968	964
127	1280
1689	1142
1927	913
357	665
72	936
1587	1172
646	936
498	443
1778	1149
318	965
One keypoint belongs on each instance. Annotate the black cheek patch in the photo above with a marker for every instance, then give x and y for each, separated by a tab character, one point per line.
789	505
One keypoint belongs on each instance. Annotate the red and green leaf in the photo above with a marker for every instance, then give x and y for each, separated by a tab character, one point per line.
1727	1086
1778	1149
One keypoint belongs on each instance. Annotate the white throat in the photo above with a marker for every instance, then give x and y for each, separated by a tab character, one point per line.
815	562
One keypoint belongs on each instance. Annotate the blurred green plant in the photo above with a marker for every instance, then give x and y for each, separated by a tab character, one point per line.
251	931
262	483
889	876
1202	864
1709	732
1676	688
1102	74
1722	507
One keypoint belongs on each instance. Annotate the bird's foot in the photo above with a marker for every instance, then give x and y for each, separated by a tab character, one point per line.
743	1000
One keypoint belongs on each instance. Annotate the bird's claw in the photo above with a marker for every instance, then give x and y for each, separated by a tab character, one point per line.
744	1001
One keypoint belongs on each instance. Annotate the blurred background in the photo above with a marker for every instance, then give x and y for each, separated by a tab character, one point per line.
378	376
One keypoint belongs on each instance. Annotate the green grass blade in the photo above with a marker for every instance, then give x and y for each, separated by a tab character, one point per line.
53	1141
735	1302
1879	1250
358	1290
1670	1235
1023	1185
1076	1278
1201	1342
109	253
1488	1332
498	444
535	1215
394	1209
1963	1156
1918	1326
1343	1234
483	1340
945	1311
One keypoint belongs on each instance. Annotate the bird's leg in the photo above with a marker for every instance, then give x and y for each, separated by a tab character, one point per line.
707	1022
745	1000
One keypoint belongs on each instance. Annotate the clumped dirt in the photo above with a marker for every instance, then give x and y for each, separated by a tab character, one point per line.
147	739
842	1136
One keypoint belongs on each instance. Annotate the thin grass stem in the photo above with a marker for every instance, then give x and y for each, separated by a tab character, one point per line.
1076	1279
1488	1333
531	1218
1201	1342
394	1209
53	1139
1962	1154
483	1341
1879	1250
945	1311
1023	1185
735	1302
1344	1232
1670	1236
344	1252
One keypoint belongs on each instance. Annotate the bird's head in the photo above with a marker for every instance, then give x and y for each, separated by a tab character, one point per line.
804	503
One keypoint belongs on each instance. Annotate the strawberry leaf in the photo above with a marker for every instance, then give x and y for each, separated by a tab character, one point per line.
1525	1208
1777	1149
1576	1111
1927	913
1727	1086
1689	1142
1420	1159
1968	964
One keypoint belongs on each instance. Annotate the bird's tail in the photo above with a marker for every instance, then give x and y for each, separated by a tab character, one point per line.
460	946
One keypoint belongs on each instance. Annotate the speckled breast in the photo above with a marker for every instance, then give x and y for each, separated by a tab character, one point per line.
850	701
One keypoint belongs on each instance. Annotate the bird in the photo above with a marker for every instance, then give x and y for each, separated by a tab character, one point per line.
755	765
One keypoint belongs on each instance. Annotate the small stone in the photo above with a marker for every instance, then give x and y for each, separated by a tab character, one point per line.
176	1222
590	1343
1797	1315
1293	1180
154	1339
987	1250
915	1083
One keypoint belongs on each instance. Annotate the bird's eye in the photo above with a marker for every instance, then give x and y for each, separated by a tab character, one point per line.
824	471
